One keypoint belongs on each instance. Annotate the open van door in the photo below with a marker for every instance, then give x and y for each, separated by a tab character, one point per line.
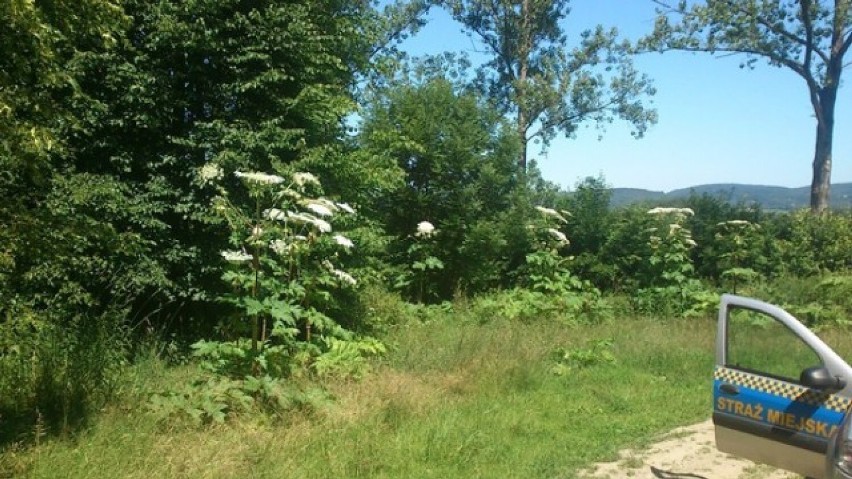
779	393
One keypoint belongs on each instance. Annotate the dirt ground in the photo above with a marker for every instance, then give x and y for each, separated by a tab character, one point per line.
685	453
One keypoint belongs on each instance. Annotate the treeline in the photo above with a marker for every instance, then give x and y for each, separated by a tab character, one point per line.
190	170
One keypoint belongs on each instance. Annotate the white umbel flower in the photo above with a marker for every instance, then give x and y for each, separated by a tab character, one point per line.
345	207
303	178
344	277
328	204
210	173
280	247
425	229
290	193
344	241
560	236
299	218
734	223
661	210
674	228
275	214
551	212
236	256
322	225
259	178
319	209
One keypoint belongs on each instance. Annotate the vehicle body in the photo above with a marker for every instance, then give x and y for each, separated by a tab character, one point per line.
781	396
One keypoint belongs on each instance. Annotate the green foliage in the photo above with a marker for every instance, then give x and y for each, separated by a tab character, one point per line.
282	280
816	301
785	34
626	250
519	304
420	276
348	359
282	275
546	270
215	399
547	88
569	360
590	224
244	85
55	374
809	244
755	248
737	253
41	43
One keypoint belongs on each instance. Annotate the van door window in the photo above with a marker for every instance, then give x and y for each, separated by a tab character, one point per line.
759	343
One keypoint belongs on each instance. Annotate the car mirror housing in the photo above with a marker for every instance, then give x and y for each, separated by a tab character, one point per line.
818	377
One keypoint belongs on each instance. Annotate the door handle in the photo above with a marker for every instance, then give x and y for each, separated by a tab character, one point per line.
729	389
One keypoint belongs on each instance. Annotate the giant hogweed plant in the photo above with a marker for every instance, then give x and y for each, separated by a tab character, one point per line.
282	266
546	269
674	289
423	263
552	290
739	242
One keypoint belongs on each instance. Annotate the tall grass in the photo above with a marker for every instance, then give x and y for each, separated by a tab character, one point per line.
456	397
54	375
453	399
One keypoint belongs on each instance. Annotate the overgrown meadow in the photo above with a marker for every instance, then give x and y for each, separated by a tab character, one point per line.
207	271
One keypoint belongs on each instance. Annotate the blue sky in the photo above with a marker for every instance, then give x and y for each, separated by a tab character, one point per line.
718	123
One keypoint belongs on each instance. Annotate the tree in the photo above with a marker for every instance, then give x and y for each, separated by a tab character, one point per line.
234	85
458	157
808	37
546	88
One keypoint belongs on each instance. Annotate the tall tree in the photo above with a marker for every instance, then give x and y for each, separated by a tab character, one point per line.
457	154
546	87
230	85
42	43
808	37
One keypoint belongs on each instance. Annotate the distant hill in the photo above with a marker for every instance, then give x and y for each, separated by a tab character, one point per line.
768	197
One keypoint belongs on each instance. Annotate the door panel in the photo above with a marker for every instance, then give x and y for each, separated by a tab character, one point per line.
779	454
760	409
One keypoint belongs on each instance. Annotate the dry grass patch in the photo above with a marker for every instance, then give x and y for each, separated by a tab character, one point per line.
415	394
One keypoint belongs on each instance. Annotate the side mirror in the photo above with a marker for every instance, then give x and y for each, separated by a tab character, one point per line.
818	377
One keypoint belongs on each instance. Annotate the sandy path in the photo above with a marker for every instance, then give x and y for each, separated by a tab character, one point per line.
685	453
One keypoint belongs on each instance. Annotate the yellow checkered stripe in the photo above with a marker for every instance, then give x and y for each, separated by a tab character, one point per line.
793	392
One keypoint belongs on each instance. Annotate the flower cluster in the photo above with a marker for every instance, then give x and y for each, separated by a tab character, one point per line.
553	213
259	178
321	225
344	241
559	236
660	210
342	276
303	179
425	229
210	173
236	256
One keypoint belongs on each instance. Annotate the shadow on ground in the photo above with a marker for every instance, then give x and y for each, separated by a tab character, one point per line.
674	475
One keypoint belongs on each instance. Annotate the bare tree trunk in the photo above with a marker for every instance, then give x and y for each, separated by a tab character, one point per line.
821	183
522	134
822	169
